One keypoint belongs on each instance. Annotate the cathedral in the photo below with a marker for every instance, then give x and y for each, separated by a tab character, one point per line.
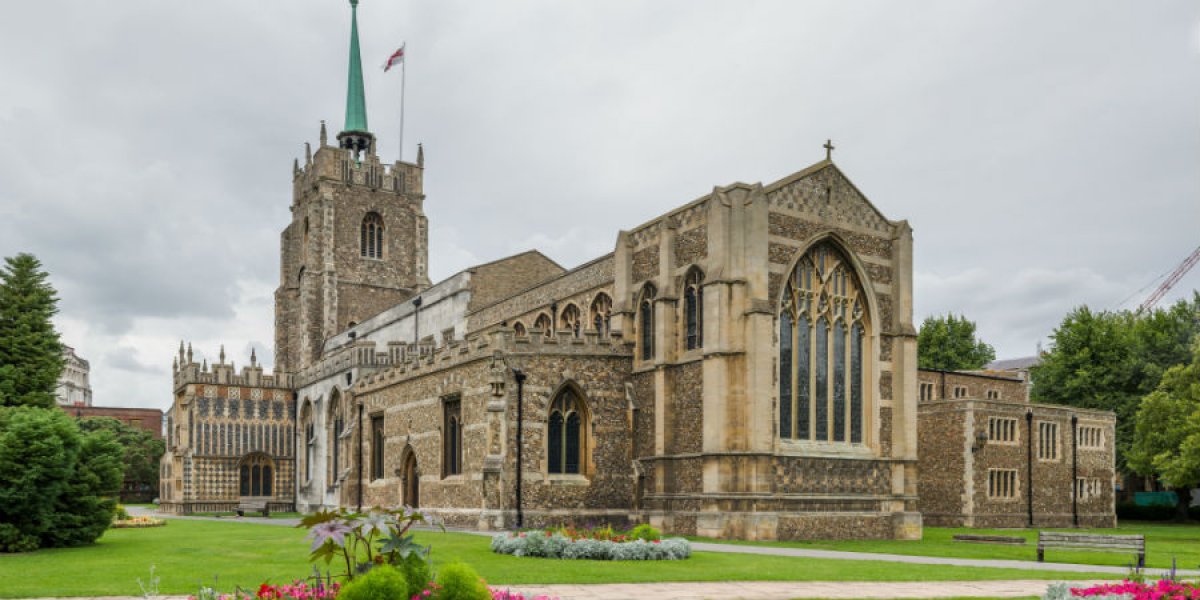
741	366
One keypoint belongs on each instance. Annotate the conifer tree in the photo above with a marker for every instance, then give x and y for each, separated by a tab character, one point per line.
30	351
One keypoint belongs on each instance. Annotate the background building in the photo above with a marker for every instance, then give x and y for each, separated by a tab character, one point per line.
73	386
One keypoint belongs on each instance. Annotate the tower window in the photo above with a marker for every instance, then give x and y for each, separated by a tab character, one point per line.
371	234
693	309
646	322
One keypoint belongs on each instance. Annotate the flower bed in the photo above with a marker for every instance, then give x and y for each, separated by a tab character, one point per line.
1164	589
554	544
137	522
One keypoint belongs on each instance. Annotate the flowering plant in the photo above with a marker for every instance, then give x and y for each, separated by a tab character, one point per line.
364	539
1163	589
298	590
557	545
133	522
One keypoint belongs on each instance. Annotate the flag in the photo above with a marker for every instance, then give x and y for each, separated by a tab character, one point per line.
396	58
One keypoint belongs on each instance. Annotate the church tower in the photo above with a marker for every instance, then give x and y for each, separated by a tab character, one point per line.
358	240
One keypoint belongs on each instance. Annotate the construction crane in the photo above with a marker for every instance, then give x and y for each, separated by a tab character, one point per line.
1171	280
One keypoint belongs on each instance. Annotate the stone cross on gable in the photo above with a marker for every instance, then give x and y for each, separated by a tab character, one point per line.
828	149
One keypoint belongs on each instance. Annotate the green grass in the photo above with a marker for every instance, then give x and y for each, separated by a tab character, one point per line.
1163	542
187	554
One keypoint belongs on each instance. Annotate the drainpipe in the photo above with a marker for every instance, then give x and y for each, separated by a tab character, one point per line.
295	461
520	377
943	385
360	456
1029	462
1075	470
417	322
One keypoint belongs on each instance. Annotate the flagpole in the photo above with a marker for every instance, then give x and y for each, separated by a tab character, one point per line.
403	70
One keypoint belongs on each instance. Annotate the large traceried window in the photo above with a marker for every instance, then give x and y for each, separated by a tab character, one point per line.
371	236
693	309
646	322
601	314
565	434
823	333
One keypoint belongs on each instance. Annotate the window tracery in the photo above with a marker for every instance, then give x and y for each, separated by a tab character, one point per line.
543	323
601	314
570	319
823	326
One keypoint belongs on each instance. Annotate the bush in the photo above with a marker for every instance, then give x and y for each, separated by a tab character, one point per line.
417	573
646	533
380	583
556	545
121	514
55	483
460	582
1134	512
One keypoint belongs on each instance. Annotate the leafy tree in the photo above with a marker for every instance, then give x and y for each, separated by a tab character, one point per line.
949	344
30	352
1110	360
141	450
56	484
1166	443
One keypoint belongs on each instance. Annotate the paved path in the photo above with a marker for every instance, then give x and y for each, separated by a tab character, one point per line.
763	590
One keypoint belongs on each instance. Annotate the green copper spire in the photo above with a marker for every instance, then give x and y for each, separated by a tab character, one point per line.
356	99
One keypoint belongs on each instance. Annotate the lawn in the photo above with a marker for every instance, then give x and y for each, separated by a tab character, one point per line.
1163	542
189	553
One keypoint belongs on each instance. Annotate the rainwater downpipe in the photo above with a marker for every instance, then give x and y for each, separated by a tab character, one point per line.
1029	462
360	456
520	378
1075	470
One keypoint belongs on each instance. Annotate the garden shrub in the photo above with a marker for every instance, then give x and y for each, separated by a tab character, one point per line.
556	545
646	533
417	573
460	582
56	485
121	514
380	583
1135	512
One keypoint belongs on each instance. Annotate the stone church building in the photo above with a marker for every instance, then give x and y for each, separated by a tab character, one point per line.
743	365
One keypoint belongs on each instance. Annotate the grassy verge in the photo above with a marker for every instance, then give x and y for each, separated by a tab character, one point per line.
186	554
1163	542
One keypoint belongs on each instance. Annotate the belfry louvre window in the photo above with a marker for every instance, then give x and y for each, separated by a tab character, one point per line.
1047	441
452	436
823	329
565	434
1002	483
1090	437
693	309
376	447
1002	430
371	236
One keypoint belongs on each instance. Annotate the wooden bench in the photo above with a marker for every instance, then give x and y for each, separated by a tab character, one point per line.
1093	542
258	506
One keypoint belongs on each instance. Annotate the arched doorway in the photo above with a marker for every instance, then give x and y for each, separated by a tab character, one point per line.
256	477
410	481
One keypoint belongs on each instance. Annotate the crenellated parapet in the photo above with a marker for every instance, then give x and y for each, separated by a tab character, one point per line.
331	163
186	370
401	363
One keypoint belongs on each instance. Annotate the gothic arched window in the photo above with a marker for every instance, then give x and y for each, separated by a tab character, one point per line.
693	309
565	433
601	313
337	426
519	329
371	236
543	323
823	325
646	322
570	319
310	440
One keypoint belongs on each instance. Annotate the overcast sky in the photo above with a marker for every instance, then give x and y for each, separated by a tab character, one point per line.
1047	154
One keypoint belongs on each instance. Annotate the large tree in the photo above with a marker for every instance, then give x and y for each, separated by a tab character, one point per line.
949	344
30	352
141	450
1166	442
1110	360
